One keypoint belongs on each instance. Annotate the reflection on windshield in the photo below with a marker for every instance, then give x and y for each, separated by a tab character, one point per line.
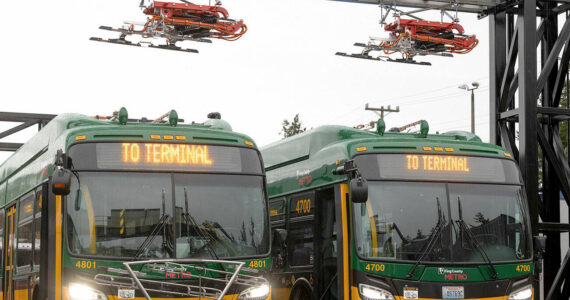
397	220
114	214
226	216
494	216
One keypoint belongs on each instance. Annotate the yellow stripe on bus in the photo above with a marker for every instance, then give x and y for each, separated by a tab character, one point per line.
372	229
21	294
58	245
114	297
356	296
346	270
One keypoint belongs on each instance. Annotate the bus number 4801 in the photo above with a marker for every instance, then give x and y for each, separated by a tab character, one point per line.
86	264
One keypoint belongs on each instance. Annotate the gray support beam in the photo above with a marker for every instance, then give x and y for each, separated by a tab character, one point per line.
552	177
497	62
27	119
24	117
528	151
10	146
16	129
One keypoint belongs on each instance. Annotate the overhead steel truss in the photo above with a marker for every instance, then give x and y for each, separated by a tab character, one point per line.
26	120
472	6
515	37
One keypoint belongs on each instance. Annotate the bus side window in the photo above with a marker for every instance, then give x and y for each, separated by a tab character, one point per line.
277	211
37	227
25	231
301	244
301	230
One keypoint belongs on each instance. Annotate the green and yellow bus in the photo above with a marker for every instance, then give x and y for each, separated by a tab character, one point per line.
126	209
389	215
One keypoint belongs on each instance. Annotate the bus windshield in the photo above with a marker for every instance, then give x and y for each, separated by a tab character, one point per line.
167	215
399	219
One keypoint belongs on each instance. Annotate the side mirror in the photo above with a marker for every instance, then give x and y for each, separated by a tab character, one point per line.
280	237
358	185
61	182
539	243
280	243
358	190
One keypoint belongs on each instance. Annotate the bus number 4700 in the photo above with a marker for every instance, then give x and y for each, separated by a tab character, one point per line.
523	268
375	267
303	206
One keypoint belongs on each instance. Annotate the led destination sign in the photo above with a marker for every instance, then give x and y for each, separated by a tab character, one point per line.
180	154
165	157
446	163
437	167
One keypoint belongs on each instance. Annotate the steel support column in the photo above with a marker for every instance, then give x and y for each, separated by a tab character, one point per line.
550	188
528	147
497	61
538	114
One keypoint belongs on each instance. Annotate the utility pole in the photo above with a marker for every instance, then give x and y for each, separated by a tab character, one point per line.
381	109
471	88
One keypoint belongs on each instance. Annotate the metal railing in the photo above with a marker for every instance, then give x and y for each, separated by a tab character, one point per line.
194	277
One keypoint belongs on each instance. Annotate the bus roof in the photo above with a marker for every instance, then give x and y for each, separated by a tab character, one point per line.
318	151
39	152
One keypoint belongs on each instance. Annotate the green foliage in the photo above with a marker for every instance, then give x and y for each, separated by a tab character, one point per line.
292	128
480	218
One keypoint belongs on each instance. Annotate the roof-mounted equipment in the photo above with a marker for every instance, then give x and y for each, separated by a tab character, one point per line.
417	37
175	22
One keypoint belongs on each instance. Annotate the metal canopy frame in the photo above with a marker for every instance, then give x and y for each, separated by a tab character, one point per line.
517	40
27	120
471	6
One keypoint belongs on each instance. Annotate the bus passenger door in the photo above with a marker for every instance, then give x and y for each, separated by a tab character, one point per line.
9	254
342	239
326	245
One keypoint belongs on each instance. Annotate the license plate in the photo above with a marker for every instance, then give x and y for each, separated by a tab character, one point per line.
410	293
126	294
453	292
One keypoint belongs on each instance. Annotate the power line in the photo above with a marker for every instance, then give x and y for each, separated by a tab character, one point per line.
356	108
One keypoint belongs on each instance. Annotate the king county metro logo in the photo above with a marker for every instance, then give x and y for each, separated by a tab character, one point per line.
452	274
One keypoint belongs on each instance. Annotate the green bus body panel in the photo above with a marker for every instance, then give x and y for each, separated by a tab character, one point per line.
306	161
34	162
455	274
24	170
311	157
95	266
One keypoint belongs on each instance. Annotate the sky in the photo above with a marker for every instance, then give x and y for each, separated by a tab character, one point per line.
284	65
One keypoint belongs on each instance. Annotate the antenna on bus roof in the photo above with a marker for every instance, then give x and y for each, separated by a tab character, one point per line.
172	118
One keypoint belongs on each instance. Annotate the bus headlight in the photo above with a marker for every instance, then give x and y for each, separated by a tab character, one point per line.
79	291
255	293
523	294
373	293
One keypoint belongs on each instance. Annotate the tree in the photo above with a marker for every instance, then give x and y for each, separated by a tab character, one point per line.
292	128
480	218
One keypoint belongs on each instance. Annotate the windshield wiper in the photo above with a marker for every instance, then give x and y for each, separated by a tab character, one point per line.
160	226
464	228
431	240
189	220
